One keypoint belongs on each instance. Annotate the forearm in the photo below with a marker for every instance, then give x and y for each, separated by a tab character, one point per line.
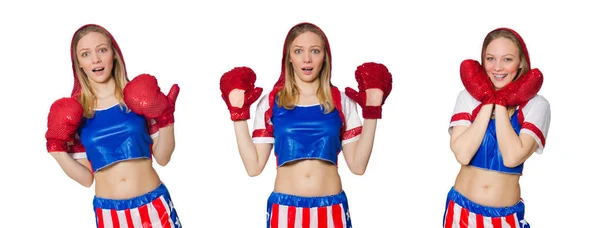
361	154
509	143
165	145
465	144
75	170
253	162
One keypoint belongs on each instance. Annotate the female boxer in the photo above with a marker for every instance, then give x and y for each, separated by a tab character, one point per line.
498	122
307	121
109	130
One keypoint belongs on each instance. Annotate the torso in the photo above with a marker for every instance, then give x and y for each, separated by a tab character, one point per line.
127	178
311	176
489	188
487	181
308	178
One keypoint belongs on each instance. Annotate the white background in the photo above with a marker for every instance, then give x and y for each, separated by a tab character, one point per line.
411	169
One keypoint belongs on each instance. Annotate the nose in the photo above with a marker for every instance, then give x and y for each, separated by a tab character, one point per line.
306	58
498	66
96	58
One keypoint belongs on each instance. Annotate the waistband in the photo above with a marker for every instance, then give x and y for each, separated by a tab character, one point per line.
307	202
481	209
135	202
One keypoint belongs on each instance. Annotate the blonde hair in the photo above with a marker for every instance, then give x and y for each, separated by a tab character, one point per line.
87	98
523	65
288	95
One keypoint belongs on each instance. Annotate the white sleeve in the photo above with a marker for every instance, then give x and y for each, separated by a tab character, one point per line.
353	122
463	109
154	131
76	149
536	121
260	133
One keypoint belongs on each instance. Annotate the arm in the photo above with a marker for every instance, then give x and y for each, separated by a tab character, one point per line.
465	140
239	93
76	169
254	156
516	149
164	145
358	153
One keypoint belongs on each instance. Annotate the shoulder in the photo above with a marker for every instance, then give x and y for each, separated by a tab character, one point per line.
464	95
345	99
538	102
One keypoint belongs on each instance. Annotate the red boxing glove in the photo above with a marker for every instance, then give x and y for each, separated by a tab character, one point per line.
477	82
520	90
242	78
63	121
143	96
370	76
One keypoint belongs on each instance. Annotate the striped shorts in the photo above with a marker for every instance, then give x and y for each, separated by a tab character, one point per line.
153	209
464	213
289	211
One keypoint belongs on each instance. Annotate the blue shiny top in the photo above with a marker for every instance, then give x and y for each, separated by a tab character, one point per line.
114	135
488	155
305	132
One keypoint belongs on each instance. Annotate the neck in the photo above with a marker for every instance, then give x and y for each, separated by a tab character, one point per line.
105	89
307	88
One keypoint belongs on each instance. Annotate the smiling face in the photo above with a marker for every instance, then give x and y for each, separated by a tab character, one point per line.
95	57
502	61
307	54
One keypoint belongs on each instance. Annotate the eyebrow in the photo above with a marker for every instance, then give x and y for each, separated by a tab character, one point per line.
96	47
319	46
502	55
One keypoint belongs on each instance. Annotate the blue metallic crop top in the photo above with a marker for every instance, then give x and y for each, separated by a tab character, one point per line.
114	135
305	132
488	155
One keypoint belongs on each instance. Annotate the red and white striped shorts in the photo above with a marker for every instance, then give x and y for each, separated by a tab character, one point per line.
289	211
154	209
464	213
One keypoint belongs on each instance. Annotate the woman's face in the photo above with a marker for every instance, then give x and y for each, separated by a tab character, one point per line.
95	57
307	54
502	61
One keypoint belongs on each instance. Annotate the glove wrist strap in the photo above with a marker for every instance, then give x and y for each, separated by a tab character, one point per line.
372	112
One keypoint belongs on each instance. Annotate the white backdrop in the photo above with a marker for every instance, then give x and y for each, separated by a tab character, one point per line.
412	168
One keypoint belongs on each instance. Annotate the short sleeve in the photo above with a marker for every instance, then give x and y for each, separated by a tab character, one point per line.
536	121
76	149
260	133
463	109
154	130
353	122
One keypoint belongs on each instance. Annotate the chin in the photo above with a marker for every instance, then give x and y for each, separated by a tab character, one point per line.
307	78
99	79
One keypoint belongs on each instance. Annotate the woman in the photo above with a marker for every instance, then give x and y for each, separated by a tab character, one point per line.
498	122
307	121
109	130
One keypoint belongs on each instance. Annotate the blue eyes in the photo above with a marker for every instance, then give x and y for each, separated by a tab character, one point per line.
314	51
101	50
505	59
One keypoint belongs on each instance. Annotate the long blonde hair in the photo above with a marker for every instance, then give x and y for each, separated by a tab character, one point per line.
288	95
87	98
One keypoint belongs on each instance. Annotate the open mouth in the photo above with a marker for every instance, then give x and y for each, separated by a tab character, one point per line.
98	69
500	76
307	70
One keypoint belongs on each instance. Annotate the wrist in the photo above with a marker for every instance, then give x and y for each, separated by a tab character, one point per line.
372	112
165	120
239	113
